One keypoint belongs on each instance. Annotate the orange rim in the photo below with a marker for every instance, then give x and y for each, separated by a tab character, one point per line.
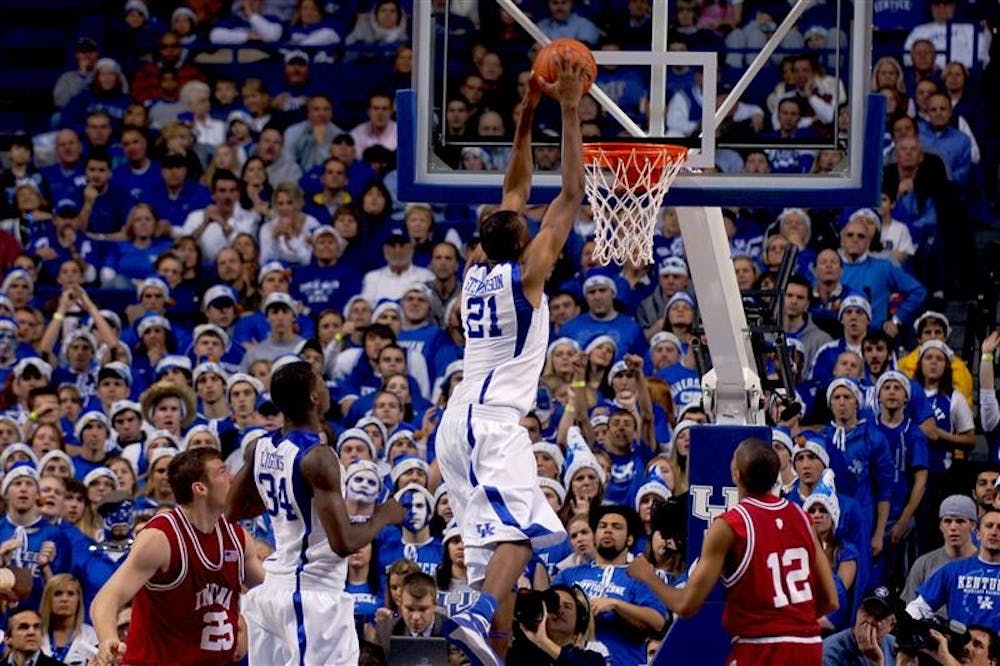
607	153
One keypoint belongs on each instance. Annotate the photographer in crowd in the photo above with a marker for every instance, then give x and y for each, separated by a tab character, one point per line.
981	649
562	635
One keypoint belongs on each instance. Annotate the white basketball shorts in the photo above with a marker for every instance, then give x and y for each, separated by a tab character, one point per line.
312	627
485	458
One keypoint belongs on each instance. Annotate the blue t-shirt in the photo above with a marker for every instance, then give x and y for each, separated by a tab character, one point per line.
36	534
366	602
909	454
625	643
427	555
970	587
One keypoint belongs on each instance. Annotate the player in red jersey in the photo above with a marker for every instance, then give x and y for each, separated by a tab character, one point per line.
778	583
185	571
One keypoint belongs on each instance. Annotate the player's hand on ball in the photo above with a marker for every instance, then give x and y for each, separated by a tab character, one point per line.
568	87
640	569
393	511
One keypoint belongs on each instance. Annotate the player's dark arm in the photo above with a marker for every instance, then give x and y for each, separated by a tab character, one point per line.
826	589
517	180
321	469
561	214
253	568
244	501
688	600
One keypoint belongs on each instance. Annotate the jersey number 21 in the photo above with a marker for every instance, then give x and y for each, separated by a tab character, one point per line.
479	308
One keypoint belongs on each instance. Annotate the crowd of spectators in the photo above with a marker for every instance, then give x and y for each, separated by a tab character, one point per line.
199	215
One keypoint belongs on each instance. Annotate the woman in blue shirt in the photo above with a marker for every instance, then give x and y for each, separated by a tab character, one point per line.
365	585
133	259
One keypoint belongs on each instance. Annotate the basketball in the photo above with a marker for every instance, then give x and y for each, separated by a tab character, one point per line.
546	65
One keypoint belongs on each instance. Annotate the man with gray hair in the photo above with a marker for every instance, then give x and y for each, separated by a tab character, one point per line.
958	516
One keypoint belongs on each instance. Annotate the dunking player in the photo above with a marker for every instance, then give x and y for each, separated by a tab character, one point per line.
185	571
778	583
301	614
485	456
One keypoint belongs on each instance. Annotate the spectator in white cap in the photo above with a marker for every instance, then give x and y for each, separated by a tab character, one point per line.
18	286
665	349
554	491
211	343
200	436
219	301
855	316
933	325
100	481
600	291
673	272
355	444
363	488
210	387
910	457
29	373
823	508
376	433
549	459
56	463
782	444
15	453
79	350
92	430
242	392
279	308
114	383
956	428
408	470
174	368
867	473
584	478
560	362
158	483
44	548
126	422
957	519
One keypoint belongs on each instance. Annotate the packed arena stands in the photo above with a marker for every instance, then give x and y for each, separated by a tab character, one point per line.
195	192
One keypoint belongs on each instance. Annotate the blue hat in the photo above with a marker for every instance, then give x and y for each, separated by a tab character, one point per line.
396	236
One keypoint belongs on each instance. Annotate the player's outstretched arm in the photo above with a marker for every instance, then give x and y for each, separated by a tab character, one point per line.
517	180
150	553
244	501
558	220
688	600
321	469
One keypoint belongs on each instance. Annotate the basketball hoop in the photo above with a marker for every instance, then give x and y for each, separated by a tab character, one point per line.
626	183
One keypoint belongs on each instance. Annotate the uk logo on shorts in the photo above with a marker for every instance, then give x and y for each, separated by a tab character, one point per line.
485	529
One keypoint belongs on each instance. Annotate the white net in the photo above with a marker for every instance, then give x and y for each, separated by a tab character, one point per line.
626	190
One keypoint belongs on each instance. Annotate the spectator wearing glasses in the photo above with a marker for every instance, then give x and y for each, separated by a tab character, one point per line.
877	279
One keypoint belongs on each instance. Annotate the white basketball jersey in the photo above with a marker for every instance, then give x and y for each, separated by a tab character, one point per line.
505	339
302	553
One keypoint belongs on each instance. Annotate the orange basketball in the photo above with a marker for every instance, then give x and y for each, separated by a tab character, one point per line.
546	65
